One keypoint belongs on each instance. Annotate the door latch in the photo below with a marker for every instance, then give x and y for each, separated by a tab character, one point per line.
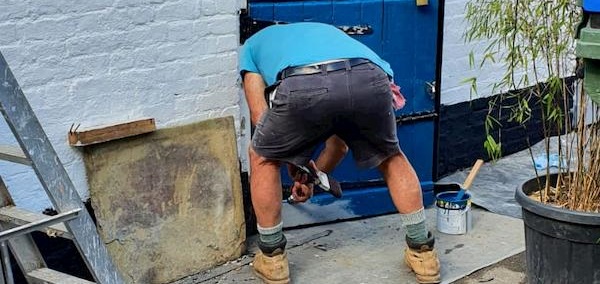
430	89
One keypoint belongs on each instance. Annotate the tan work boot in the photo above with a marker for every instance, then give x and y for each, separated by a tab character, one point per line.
272	269
422	259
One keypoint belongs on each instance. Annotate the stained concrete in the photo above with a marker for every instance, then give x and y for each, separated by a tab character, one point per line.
371	251
508	271
169	204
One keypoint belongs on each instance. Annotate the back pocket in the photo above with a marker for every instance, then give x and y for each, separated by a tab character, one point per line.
307	98
309	92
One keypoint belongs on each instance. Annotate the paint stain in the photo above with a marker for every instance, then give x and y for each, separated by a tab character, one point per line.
447	251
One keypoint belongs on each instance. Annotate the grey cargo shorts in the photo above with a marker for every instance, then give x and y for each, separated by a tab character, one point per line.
354	103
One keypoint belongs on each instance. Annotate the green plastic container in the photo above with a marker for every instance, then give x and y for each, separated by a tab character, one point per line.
588	48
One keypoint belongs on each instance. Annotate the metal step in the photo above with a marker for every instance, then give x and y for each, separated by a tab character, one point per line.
18	216
49	276
13	154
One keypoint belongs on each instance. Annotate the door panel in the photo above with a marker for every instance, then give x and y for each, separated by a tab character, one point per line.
404	35
409	45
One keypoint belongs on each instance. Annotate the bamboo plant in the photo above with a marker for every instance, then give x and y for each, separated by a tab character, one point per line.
533	41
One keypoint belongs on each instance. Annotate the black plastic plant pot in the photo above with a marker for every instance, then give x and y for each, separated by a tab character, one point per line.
562	246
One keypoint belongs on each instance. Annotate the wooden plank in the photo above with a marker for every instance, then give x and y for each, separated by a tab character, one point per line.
46	275
110	132
13	154
18	216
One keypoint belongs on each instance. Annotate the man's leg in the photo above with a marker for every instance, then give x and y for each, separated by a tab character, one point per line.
332	155
265	187
403	183
405	190
406	194
271	263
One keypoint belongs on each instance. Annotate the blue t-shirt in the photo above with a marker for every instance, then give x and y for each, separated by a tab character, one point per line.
280	46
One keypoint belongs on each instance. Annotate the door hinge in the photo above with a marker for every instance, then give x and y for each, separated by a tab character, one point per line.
357	29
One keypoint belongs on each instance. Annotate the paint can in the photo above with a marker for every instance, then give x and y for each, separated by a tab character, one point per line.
453	216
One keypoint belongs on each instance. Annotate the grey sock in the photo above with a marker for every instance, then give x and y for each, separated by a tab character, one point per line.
414	225
272	235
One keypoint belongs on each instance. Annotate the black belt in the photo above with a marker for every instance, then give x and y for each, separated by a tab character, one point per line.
318	68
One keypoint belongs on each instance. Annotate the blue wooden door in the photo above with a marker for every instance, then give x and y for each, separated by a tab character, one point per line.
403	34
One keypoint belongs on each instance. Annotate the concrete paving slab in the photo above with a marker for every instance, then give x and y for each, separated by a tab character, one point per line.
151	193
371	251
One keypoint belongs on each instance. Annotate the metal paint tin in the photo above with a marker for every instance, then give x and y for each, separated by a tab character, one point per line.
453	217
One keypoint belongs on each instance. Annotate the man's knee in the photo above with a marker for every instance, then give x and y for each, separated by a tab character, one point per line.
397	157
255	157
338	145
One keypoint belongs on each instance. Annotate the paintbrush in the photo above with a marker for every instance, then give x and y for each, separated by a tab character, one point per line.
460	194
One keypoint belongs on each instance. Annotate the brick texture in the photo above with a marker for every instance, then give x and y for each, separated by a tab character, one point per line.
105	61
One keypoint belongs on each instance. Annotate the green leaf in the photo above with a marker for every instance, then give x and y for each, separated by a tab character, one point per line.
493	149
471	59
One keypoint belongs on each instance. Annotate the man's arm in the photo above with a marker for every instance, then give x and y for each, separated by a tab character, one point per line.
254	89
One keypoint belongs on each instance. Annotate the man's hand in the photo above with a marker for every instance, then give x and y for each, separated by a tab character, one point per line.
303	186
302	192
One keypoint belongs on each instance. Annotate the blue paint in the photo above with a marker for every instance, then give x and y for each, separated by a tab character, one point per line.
459	195
448	200
368	201
404	35
591	5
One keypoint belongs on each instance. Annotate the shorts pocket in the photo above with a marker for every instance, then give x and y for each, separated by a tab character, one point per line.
309	92
307	98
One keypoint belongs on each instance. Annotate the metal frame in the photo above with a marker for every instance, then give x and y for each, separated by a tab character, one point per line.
60	189
24	250
34	226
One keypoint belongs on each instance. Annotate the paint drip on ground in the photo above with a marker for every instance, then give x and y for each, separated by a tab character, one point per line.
453	216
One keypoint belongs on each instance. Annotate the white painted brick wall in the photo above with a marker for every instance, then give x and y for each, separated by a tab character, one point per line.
455	62
105	61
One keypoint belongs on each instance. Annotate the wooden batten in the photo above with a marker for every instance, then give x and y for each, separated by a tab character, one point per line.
101	134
